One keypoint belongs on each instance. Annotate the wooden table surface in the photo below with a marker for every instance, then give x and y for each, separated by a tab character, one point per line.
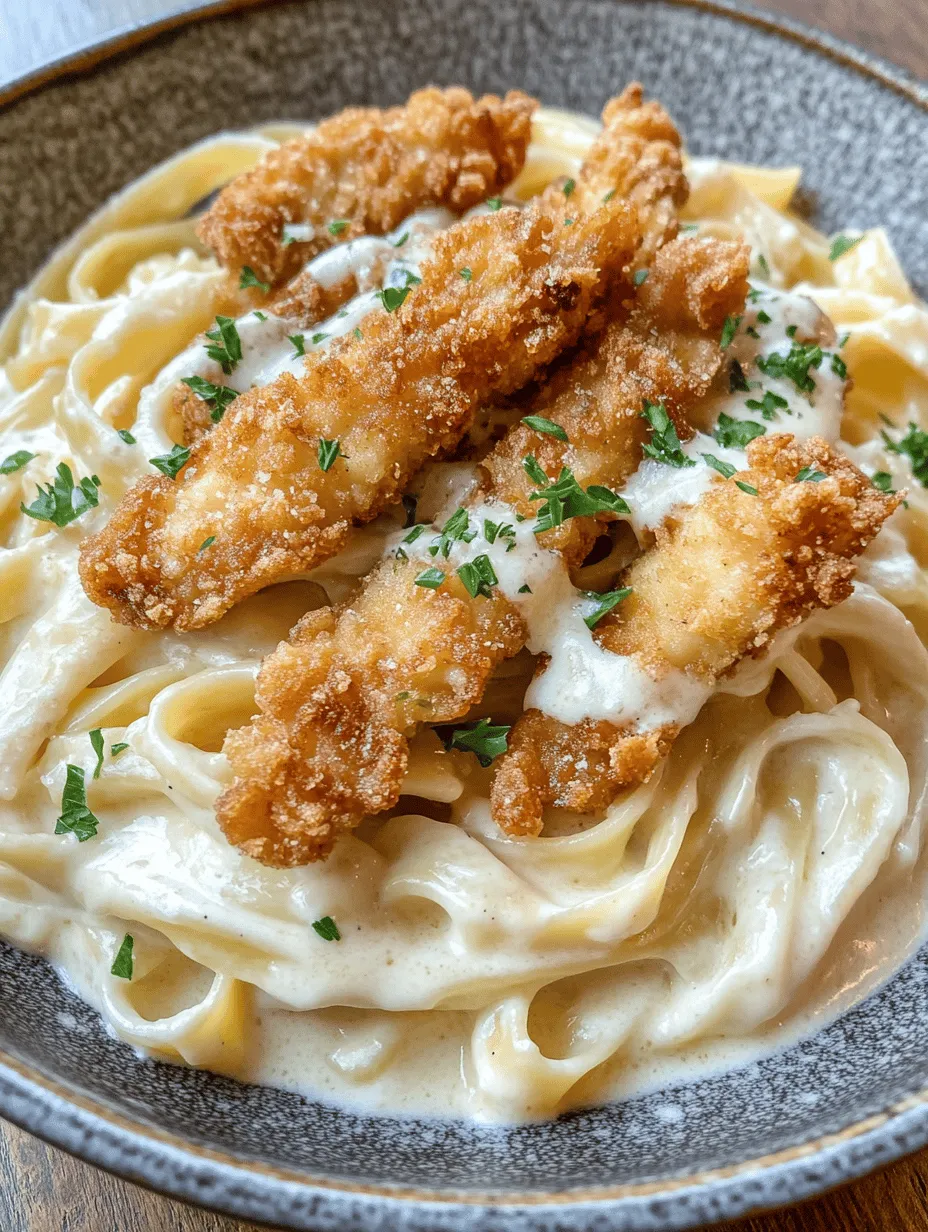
44	1190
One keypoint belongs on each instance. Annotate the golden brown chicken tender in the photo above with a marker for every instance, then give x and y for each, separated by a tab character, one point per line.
370	169
724	576
340	700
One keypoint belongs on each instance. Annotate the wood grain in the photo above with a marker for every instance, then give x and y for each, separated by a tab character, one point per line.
44	1190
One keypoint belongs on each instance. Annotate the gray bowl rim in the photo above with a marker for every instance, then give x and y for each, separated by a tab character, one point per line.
276	1197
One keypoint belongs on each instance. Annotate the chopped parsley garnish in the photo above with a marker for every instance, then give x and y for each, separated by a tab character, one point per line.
605	602
225	347
882	480
750	330
687	228
401	241
299	345
393	297
96	743
337	226
754	294
842	341
327	452
119	747
217	397
122	963
539	424
317	338
794	366
524	590
717	464
466	274
664	445
792	331
569	186
327	929
15	461
915	446
411	278
809	474
207	543
402	697
499	530
564	498
765	318
494	203
414	534
401	555
762	265
842	244
484	740
768	405
249	278
457	527
357	332
170	463
639	277
609	195
76	818
839	367
262	316
431	579
746	487
729	329
737	381
410	504
736	433
63	501
478	576
125	435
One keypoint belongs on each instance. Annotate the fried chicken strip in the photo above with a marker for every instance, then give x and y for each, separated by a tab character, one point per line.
724	576
402	392
341	699
369	168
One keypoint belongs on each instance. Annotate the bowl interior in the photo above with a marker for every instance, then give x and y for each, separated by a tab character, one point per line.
739	90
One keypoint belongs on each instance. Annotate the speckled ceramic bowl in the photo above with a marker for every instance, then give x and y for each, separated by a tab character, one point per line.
852	1098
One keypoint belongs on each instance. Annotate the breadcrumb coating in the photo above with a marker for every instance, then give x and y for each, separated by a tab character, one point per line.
370	168
724	576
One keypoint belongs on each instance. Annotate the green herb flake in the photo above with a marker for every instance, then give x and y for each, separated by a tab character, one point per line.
170	463
76	818
609	195
564	498
125	435
466	274
842	341
737	381
768	405
317	338
119	747
525	590
357	333
262	316
605	602
687	228
794	366
456	528
96	743
249	278
217	397
915	446
752	332
569	186
792	331
478	576
402	240
839	367
494	203
431	579
842	244
122	963
63	501
809	474
746	487
393	297
762	265
882	480
717	464
538	423
16	461
664	445
327	929
736	433
764	317
484	740
639	277
225	346
207	543
299	345
327	452
337	226
729	329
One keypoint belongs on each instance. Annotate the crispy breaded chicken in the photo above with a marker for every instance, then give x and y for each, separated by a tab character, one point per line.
341	699
402	392
370	169
724	576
